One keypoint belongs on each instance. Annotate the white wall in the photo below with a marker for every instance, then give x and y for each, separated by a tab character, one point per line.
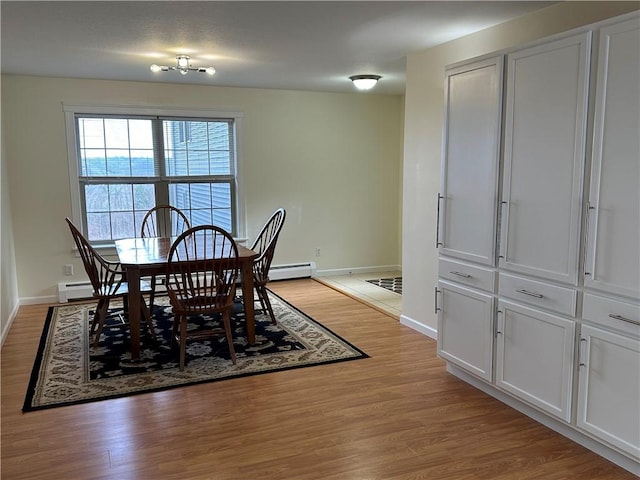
332	160
8	278
424	108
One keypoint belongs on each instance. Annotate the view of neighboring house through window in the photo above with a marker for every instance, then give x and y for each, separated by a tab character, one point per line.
127	165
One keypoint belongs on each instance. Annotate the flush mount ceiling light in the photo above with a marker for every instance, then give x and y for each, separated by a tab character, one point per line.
365	82
182	66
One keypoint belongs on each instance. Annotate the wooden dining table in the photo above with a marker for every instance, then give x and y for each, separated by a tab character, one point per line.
142	257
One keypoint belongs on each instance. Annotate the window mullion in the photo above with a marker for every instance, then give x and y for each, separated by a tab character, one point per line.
161	185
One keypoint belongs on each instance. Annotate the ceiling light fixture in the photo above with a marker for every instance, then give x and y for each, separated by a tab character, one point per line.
183	66
365	82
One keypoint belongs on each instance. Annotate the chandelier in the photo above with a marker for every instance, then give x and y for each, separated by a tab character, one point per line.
183	66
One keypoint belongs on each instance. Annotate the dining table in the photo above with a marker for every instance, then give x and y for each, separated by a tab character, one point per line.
141	257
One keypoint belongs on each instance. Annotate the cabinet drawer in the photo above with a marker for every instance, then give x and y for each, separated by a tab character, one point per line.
540	294
612	313
467	274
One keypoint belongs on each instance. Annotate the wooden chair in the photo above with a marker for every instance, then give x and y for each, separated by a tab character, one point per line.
202	270
107	280
162	221
265	245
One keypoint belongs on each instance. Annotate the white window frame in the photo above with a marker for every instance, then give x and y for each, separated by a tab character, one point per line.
71	110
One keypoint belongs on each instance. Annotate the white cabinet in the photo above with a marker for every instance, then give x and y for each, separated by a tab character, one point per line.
609	381
465	328
535	357
467	201
548	220
544	153
613	217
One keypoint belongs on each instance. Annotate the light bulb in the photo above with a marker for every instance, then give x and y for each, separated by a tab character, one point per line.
155	68
210	70
183	61
365	82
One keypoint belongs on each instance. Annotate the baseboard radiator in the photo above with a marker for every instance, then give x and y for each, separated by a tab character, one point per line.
80	290
74	291
286	272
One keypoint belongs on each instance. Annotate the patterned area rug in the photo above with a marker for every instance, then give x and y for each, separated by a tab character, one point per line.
67	370
393	284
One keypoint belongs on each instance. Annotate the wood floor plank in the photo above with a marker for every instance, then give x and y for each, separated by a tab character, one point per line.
397	415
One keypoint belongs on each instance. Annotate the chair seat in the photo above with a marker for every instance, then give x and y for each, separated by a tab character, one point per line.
203	303
122	289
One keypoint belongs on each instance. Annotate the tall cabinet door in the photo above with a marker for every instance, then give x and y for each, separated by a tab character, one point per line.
545	129
613	255
468	198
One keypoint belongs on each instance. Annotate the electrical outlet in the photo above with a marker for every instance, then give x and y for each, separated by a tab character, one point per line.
317	252
68	269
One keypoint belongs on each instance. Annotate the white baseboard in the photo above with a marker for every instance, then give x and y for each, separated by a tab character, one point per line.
39	300
420	327
7	327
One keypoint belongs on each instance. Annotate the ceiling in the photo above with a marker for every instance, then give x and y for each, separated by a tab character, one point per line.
297	45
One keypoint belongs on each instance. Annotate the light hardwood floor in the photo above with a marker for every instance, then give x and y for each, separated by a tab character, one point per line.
396	415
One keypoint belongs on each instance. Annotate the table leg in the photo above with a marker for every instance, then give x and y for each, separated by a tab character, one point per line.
247	294
133	280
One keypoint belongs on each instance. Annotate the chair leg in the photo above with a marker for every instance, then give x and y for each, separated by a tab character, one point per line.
146	314
226	320
96	317
183	340
174	330
264	296
102	316
260	299
152	295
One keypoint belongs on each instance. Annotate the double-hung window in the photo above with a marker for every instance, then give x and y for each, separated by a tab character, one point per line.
123	163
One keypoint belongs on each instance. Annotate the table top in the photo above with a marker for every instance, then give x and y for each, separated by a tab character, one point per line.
154	251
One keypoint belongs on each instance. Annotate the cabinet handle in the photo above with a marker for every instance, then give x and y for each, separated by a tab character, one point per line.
624	319
498	332
502	228
435	300
586	236
581	352
460	274
438	242
527	292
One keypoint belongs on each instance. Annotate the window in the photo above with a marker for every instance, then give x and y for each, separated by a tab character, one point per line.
126	164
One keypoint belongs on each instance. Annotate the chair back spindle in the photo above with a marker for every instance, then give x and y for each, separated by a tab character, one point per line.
164	221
